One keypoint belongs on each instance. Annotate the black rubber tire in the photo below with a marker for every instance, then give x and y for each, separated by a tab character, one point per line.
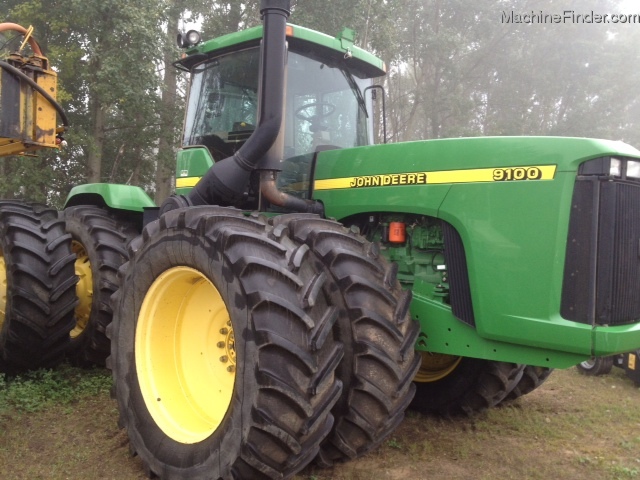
40	287
596	366
532	378
378	334
104	239
472	387
285	382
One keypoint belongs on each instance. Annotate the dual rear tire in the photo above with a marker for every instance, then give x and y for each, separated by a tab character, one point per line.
99	241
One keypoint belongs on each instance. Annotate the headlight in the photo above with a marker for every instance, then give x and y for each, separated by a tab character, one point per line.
633	169
618	167
189	39
615	169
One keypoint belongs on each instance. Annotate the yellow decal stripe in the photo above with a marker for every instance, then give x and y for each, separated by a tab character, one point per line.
501	174
186	182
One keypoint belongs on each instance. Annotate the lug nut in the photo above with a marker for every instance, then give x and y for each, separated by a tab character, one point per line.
224	331
224	359
220	344
231	368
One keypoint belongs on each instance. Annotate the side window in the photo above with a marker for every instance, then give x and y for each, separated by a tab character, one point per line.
223	103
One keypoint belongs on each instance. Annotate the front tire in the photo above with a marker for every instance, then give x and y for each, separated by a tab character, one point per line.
450	385
374	324
222	356
37	287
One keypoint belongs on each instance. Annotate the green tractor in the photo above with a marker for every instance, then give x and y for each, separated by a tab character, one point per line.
304	286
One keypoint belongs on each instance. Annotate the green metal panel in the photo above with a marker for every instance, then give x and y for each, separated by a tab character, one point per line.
191	164
441	332
120	197
514	232
612	340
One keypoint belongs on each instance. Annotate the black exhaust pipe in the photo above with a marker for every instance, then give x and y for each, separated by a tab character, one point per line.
227	180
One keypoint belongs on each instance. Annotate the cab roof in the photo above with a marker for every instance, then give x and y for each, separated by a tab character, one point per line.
336	49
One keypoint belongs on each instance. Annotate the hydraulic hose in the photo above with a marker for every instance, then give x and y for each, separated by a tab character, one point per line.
20	29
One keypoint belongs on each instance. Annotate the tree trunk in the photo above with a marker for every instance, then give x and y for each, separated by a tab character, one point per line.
94	162
166	155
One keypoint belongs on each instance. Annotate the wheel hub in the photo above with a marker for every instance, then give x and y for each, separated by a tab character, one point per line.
185	355
436	366
84	288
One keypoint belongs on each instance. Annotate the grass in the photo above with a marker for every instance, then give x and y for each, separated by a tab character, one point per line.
36	391
61	424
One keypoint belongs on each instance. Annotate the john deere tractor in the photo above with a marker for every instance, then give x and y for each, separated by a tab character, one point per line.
304	286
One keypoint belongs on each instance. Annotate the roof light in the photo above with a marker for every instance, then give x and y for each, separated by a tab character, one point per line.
189	39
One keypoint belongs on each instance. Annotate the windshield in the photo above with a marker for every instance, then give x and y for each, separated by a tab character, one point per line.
324	105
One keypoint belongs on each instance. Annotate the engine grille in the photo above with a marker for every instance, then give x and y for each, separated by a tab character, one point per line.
602	269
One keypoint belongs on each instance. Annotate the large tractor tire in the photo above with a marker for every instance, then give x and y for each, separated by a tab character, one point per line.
378	334
99	241
450	385
37	287
222	353
596	366
532	378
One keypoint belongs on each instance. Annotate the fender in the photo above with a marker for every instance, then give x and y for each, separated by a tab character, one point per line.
117	197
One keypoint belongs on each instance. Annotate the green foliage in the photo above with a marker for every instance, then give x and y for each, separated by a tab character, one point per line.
394	443
40	389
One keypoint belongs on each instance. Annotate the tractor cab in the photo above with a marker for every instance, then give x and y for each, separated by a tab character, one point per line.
326	104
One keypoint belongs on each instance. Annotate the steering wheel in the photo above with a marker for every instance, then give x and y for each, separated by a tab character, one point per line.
322	109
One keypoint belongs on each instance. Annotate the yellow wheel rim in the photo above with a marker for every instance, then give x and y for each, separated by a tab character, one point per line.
84	288
3	289
436	366
185	355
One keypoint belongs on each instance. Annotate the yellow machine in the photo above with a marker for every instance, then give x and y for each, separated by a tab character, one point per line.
37	275
28	106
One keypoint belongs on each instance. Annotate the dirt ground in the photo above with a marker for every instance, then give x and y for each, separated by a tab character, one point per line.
573	427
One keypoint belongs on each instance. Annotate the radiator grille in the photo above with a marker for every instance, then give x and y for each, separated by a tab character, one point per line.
602	269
